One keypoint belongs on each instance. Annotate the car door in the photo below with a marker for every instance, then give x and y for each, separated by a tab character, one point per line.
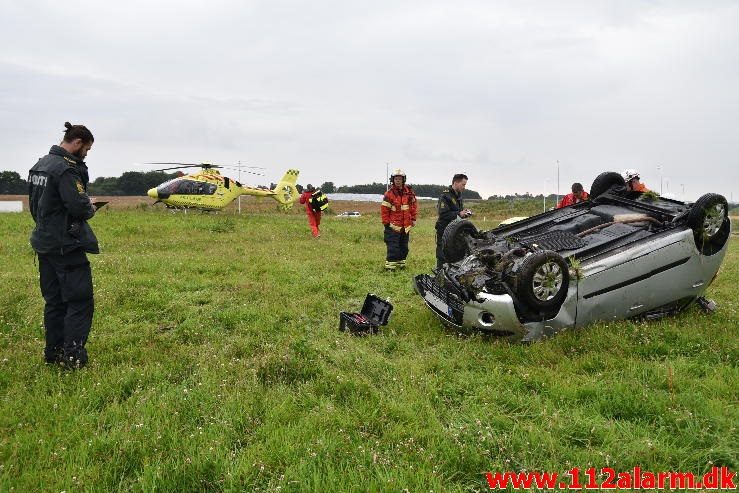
644	276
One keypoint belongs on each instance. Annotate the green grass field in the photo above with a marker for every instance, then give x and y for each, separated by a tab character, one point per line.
217	365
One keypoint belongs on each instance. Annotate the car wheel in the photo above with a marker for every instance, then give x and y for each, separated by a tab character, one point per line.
604	181
709	220
543	280
453	241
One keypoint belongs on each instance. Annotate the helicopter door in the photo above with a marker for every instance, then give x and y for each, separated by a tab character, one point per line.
226	182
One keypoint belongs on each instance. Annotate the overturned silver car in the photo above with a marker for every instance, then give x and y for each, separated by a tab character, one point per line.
618	255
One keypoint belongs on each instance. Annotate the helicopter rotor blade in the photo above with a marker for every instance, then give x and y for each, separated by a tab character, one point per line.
251	173
242	170
209	167
192	165
177	163
236	166
168	169
206	165
214	165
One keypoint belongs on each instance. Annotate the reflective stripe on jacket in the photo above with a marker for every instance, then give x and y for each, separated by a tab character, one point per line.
399	208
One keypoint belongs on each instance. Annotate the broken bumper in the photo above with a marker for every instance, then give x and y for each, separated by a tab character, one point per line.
492	313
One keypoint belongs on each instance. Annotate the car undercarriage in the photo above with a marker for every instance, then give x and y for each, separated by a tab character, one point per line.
583	258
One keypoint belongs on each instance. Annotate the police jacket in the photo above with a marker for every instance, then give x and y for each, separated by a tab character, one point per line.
399	208
57	197
449	206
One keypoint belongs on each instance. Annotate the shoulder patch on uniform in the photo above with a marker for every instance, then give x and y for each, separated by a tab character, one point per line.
80	187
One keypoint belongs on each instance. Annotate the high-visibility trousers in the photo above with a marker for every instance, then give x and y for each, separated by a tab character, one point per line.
314	220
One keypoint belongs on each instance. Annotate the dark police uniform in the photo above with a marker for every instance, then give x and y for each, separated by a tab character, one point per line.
449	206
57	192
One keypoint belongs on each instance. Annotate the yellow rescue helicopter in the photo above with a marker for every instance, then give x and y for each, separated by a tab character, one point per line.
209	190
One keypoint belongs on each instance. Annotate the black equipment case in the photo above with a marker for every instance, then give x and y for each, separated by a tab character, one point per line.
375	312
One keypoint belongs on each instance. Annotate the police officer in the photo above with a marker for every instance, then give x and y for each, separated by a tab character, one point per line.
57	192
450	207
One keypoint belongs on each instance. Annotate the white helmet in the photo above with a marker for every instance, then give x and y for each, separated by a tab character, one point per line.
397	172
630	174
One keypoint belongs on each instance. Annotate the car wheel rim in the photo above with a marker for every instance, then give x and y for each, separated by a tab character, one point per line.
547	281
714	220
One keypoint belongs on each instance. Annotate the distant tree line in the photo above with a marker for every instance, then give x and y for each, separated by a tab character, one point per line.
130	183
138	183
380	188
11	183
525	196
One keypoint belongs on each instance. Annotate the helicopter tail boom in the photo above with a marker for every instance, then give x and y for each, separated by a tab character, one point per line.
286	193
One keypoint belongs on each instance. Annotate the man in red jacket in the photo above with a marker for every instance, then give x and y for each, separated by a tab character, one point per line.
577	195
314	217
398	210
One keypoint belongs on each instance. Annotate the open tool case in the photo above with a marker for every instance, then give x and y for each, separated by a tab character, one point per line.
375	312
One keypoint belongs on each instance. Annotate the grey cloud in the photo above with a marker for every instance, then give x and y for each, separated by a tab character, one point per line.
503	89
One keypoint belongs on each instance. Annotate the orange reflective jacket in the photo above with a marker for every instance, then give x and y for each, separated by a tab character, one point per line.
570	199
399	208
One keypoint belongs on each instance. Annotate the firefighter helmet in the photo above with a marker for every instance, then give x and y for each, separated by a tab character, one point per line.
397	172
630	174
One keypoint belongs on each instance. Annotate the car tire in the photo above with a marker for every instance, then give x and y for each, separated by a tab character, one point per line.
604	181
543	281
709	220
453	242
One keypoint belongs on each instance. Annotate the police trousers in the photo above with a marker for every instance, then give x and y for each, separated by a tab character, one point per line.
66	285
439	249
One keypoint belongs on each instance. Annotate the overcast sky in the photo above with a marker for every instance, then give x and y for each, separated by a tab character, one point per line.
501	90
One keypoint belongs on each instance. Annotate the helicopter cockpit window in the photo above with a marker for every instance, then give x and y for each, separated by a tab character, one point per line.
188	187
169	187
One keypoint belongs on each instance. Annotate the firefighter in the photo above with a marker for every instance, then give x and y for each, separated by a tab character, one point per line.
60	207
314	217
578	195
398	211
631	177
450	207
